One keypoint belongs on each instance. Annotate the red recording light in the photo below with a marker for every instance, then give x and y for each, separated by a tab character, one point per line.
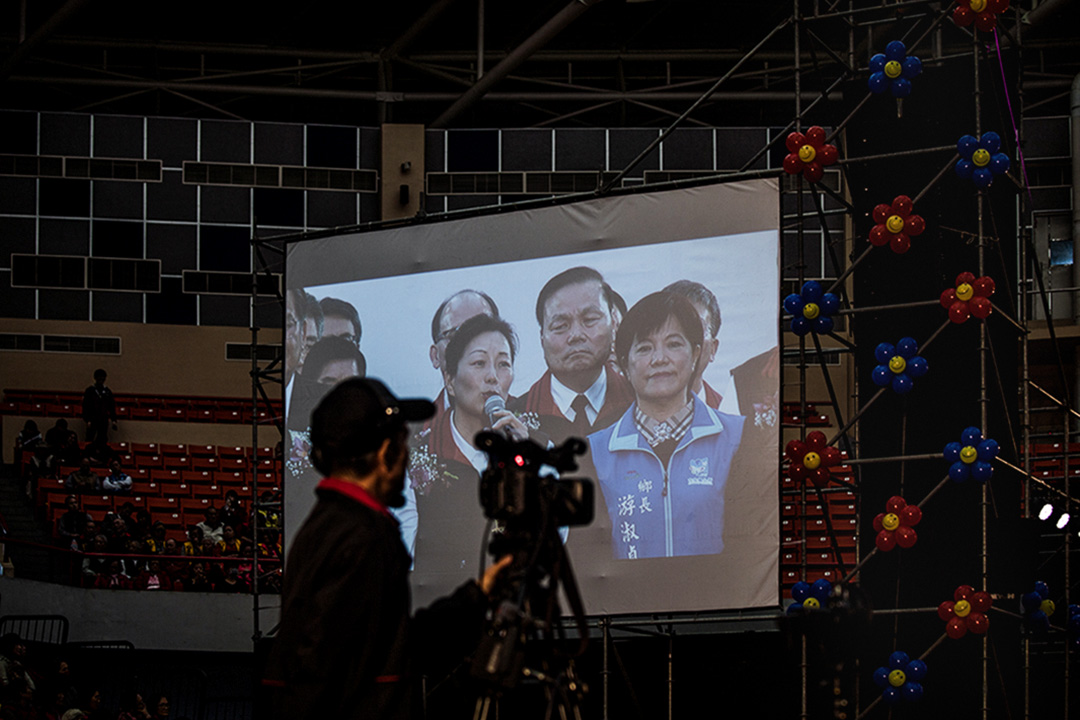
519	460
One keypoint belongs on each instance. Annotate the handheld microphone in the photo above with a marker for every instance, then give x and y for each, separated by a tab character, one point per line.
492	405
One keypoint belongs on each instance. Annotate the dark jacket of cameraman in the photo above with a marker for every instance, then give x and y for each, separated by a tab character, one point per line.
346	647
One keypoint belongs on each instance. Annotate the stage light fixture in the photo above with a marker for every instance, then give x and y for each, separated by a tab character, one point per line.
1063	521
1046	512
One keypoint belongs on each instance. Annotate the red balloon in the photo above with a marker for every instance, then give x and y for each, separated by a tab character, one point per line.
900	243
902	205
795	450
984	287
816	441
956	628
910	516
977	623
885	541
827	155
879	236
795	141
905	536
965	277
980	307
895	504
959	312
914	225
813	171
985	21
821	476
980	602
944	610
963	593
815	135
792	164
882	213
878	527
830	457
948	297
797	471
963	16
997	6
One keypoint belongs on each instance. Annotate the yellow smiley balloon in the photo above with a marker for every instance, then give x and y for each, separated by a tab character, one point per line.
890	521
897	678
811	311
807	153
964	292
812	603
978	5
968	454
893	69
962	608
897	364
812	461
895	223
980	157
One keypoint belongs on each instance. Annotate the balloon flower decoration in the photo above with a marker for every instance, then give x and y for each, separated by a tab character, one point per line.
893	69
966	611
809	597
980	158
972	456
813	309
981	12
1037	607
811	459
896	526
1073	626
971	296
899	365
896	225
808	154
901	678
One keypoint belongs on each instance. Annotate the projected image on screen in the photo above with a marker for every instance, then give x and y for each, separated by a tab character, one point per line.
663	355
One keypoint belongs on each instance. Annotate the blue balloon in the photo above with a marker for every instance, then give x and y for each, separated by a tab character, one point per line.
1072	610
907	347
916	670
898	660
988	450
890	695
882	376
964	169
811	291
895	50
971	435
981	471
830	303
1030	601
821	589
881	677
912	67
901	87
794	608
877	83
902	384
952	451
917	367
1042	589
990	142
966	145
800	326
982	177
912	691
883	353
793	304
999	163
800	591
1039	622
823	325
958	472
877	63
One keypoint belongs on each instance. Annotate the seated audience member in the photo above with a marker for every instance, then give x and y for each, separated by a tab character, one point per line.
133	564
233	513
62	682
230	544
156	539
92	707
20	703
198	581
117	532
117	480
12	667
159	707
96	564
193	545
72	524
83	480
113	578
28	441
153	578
268	515
86	540
132	707
231	583
63	444
211	527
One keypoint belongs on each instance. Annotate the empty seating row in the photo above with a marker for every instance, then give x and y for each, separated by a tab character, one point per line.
213	485
141	407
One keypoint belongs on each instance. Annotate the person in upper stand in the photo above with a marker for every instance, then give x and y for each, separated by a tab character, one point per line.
72	524
117	481
83	480
98	410
211	527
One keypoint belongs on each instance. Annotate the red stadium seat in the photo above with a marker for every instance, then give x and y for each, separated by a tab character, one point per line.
163	504
175	489
202	451
230	479
173	462
230	453
208	464
213	492
97	505
195	478
169	450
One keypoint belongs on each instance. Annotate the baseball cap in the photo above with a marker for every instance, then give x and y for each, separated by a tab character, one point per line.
358	414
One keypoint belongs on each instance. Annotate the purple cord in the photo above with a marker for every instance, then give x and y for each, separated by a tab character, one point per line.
1012	118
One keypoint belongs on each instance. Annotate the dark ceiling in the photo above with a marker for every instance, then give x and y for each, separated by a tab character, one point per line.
603	63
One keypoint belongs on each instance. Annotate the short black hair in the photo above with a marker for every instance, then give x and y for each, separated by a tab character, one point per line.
328	350
100	374
697	293
334	307
436	320
575	276
469	330
649	314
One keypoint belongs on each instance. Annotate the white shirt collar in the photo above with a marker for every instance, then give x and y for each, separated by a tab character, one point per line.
564	396
477	458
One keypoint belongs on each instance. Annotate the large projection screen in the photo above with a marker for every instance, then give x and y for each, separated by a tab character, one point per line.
687	509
